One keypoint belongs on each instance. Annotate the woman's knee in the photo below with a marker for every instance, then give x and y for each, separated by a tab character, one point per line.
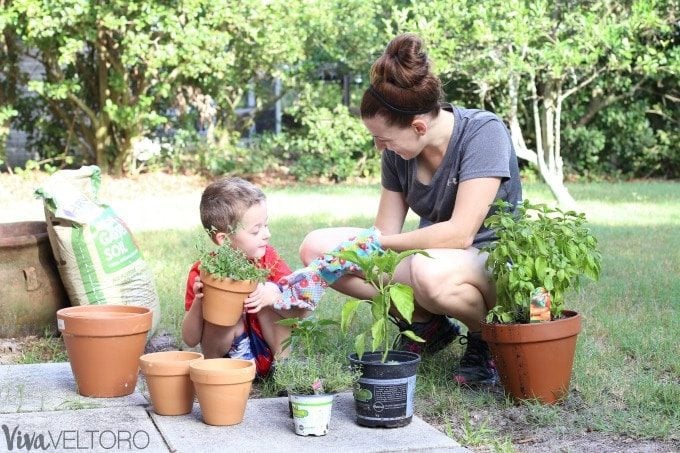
440	277
310	248
318	242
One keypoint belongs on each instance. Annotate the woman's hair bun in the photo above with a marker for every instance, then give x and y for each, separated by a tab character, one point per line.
403	64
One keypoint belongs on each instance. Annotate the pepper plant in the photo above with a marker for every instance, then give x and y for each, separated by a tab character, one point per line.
537	247
378	269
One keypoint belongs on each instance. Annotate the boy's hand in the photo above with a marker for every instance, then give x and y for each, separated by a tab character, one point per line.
265	294
198	290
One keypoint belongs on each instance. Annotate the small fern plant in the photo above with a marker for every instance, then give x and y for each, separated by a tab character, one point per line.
314	365
225	261
538	247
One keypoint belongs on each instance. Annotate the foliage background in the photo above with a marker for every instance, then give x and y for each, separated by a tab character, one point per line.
592	86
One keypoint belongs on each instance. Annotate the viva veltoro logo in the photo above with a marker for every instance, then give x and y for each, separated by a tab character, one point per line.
17	439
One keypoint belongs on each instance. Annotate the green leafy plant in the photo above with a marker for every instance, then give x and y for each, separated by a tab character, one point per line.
308	335
312	367
225	261
317	374
537	247
378	269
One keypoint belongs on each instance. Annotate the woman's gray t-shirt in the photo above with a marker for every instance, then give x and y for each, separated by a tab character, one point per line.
480	147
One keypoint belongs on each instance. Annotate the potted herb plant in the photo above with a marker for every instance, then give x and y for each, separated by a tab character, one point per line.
385	392
228	277
540	254
311	374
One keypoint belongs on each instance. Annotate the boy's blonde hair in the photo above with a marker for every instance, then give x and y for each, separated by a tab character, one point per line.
224	202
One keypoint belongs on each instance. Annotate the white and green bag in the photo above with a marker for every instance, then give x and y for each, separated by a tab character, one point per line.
96	255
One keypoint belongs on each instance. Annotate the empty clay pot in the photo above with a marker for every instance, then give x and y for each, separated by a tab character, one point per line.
167	377
223	299
222	387
104	343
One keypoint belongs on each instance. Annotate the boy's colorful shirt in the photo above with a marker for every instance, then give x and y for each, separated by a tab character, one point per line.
305	287
258	346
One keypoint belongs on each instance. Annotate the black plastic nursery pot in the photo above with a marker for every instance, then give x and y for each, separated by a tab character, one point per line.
385	392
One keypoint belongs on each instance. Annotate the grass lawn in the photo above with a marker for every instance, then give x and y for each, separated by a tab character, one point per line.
626	380
626	372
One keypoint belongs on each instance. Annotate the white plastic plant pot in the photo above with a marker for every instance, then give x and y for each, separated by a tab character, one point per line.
311	414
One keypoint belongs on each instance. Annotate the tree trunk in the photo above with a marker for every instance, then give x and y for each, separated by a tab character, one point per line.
521	149
546	122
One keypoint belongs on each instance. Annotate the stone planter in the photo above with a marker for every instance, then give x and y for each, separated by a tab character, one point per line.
32	290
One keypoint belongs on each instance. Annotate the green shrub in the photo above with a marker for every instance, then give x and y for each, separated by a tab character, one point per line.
330	143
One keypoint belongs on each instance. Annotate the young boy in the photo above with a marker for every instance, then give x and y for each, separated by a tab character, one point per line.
236	211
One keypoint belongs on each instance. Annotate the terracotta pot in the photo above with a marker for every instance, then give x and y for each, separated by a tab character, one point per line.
534	361
104	343
222	387
167	376
223	299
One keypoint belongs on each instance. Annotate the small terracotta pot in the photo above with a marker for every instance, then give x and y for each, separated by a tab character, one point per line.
222	387
223	299
534	361
103	343
167	376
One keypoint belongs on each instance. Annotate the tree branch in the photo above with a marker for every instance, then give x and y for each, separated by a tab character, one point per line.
599	103
589	79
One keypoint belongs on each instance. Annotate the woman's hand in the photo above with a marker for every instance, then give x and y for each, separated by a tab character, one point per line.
264	295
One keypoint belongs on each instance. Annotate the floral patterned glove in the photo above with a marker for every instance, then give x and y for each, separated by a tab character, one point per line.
305	287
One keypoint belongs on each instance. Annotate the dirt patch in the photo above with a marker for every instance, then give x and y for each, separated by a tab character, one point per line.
523	436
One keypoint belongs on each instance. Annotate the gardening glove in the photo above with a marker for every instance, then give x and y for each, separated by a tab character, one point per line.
305	287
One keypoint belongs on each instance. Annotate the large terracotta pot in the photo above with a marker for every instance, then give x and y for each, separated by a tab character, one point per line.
104	343
167	377
535	361
223	299
32	291
222	387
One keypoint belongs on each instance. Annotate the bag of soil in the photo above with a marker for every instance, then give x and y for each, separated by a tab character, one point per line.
96	255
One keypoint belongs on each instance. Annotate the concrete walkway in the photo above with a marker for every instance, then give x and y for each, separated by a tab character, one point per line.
40	409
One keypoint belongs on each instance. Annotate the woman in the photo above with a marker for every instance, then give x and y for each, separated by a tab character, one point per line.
448	165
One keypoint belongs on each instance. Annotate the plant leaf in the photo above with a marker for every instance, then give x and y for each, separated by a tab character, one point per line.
359	344
410	334
288	322
378	333
348	311
402	297
540	264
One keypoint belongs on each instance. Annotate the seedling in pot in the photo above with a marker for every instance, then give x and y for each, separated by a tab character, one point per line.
392	299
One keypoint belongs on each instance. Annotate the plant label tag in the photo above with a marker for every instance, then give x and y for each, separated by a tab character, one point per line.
539	309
